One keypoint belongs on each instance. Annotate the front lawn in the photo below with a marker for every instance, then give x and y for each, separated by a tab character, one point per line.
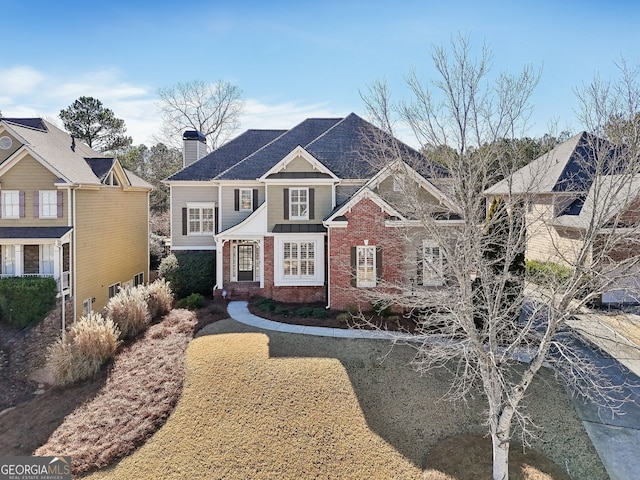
268	405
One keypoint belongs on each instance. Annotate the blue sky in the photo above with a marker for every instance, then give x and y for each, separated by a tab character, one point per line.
293	60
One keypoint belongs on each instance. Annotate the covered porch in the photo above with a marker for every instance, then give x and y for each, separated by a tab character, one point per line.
37	252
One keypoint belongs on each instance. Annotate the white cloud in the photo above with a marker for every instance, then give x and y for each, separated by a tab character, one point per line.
19	80
282	115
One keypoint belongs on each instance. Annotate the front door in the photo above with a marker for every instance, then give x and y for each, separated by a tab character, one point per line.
245	263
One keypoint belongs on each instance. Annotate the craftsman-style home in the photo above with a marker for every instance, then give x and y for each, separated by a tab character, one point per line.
70	213
307	214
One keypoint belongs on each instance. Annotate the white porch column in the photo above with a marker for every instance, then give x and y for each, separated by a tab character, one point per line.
57	262
219	259
19	260
261	243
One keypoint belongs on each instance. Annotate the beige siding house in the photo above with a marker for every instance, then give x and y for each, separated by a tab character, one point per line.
68	212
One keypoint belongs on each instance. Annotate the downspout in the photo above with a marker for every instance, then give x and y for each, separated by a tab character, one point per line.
327	275
75	253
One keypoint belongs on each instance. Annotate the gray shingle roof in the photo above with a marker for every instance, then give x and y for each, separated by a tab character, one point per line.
341	144
33	232
229	154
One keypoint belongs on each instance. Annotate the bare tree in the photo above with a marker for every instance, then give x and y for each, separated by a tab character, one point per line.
213	109
473	324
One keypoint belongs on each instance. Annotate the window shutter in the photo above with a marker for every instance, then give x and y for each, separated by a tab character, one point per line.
21	208
36	204
419	265
215	220
378	264
285	200
354	267
255	198
311	203
184	221
236	199
59	194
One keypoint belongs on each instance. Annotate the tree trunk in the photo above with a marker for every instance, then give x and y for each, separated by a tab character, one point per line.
500	458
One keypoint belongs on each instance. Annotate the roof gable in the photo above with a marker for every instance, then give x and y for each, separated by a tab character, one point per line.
279	169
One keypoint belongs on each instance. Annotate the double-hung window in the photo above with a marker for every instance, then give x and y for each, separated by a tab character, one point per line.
299	259
8	260
46	259
10	203
201	220
299	203
366	266
48	203
430	264
246	199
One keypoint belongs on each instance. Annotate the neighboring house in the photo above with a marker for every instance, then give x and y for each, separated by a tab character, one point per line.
70	213
305	214
565	199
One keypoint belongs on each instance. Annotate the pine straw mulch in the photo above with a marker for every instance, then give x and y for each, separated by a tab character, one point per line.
269	405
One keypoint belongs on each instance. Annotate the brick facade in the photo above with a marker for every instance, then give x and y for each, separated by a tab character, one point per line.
366	221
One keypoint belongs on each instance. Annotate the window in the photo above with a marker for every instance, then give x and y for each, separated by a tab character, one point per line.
113	289
366	266
11	204
8	260
299	203
246	199
429	264
200	220
298	259
46	259
87	306
48	203
138	279
398	183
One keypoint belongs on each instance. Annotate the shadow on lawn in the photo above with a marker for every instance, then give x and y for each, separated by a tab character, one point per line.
29	425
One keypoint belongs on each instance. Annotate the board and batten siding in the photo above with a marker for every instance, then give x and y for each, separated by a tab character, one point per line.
30	176
111	241
180	196
275	194
229	215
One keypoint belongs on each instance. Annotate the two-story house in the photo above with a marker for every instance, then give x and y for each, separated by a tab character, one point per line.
305	214
71	213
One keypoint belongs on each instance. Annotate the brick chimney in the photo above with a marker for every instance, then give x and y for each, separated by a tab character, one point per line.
194	147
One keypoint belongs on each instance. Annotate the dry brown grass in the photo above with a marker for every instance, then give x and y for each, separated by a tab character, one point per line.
90	342
129	311
159	298
143	385
281	406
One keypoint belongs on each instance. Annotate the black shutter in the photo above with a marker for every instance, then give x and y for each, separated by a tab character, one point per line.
285	200
184	221
215	219
255	199
21	205
419	265
236	199
311	203
378	264
354	267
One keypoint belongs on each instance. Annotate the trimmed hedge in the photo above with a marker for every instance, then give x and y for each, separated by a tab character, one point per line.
547	272
189	272
26	300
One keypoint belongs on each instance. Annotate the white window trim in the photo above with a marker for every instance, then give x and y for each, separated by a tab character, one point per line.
361	282
298	259
233	260
115	287
201	206
87	306
278	258
241	193
291	203
51	260
430	279
4	203
41	204
138	279
8	260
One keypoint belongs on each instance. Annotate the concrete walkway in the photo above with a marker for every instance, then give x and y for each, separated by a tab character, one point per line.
615	437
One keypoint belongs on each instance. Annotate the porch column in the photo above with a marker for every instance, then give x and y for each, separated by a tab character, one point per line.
57	262
19	260
261	243
219	259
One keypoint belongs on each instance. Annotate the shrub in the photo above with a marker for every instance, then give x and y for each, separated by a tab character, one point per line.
265	304
547	272
129	311
25	300
320	312
189	272
344	317
305	312
159	298
90	342
280	310
192	302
